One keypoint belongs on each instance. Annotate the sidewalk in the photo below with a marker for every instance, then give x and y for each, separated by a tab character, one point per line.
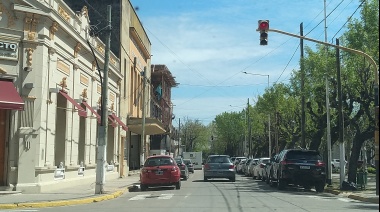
367	194
70	196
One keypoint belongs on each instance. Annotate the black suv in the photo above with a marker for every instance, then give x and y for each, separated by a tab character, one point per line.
299	167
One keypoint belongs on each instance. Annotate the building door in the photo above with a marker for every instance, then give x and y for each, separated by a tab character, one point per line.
2	147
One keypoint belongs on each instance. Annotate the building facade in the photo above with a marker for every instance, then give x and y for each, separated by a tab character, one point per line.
49	138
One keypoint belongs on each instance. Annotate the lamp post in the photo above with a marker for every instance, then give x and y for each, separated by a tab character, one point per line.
270	142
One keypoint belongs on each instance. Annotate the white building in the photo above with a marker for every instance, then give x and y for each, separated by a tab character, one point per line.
48	136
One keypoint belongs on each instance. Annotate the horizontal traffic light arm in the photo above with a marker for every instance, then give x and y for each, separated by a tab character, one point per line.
372	61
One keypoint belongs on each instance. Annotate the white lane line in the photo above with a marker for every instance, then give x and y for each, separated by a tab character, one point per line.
165	196
140	197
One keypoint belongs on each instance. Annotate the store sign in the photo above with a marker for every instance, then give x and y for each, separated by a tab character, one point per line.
8	50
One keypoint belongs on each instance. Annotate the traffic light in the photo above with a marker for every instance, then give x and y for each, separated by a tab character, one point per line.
263	29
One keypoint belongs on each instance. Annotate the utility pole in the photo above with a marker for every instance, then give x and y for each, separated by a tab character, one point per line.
249	132
329	171
179	134
342	167
303	116
143	143
102	130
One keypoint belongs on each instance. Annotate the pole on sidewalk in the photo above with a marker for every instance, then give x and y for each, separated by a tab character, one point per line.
144	147
102	132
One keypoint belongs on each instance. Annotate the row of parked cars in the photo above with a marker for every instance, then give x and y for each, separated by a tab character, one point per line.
297	167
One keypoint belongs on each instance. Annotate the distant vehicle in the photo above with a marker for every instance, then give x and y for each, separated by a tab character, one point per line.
219	166
160	170
300	167
182	166
335	163
189	165
239	166
258	170
195	157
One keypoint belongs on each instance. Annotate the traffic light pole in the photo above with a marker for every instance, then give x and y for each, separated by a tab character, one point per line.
376	91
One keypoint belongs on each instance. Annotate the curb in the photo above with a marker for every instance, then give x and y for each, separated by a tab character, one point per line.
58	203
354	196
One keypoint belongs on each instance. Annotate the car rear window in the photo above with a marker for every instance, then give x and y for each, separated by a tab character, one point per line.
218	159
158	161
306	155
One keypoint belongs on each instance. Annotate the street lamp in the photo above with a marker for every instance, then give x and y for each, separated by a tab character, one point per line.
270	142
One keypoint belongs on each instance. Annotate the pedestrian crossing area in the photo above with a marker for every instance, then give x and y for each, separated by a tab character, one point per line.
151	196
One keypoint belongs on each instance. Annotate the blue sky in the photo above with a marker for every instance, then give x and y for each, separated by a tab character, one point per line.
207	44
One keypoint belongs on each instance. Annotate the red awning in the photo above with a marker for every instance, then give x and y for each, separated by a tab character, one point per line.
92	110
112	121
119	121
9	97
81	111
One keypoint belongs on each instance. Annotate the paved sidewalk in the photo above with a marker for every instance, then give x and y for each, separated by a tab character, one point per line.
70	196
367	194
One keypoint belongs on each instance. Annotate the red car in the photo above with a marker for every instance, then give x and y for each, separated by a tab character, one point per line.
160	170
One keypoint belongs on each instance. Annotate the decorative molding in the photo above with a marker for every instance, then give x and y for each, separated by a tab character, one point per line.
2	71
75	66
63	67
112	106
84	79
63	83
77	48
30	26
53	29
84	93
29	56
11	18
52	50
63	13
100	101
99	89
93	65
112	97
100	48
84	11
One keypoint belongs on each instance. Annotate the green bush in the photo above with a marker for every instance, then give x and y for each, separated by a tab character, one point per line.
371	170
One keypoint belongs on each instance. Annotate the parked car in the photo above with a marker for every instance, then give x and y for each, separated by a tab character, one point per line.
300	167
335	164
239	166
237	161
259	167
251	166
184	170
268	170
160	170
189	164
244	167
219	166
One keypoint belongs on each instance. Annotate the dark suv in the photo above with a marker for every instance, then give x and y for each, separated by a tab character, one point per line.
299	167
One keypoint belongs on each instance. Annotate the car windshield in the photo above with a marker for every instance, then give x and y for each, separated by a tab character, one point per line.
158	161
178	160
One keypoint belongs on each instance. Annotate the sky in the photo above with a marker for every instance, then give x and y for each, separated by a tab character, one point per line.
208	44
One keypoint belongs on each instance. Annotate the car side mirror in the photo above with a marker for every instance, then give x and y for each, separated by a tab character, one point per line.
141	165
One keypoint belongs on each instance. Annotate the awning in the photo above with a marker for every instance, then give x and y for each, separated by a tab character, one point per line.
9	97
117	119
152	126
81	111
92	110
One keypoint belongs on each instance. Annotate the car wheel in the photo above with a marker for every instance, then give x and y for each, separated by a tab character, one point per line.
233	179
143	187
178	185
320	187
205	179
267	180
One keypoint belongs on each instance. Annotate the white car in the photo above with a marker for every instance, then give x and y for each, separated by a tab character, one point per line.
335	163
258	169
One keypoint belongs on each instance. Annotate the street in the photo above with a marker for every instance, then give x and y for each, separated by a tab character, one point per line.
245	194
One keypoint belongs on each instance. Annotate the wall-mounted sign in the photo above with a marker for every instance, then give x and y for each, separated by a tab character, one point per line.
8	50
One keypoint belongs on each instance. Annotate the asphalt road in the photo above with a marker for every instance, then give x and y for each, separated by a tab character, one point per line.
243	195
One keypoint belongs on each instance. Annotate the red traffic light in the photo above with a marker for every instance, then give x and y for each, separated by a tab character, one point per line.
263	25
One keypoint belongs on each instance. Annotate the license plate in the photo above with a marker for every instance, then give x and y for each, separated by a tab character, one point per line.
304	167
159	172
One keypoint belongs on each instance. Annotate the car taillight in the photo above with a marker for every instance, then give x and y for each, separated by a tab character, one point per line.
261	165
285	162
320	163
145	170
174	169
232	167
